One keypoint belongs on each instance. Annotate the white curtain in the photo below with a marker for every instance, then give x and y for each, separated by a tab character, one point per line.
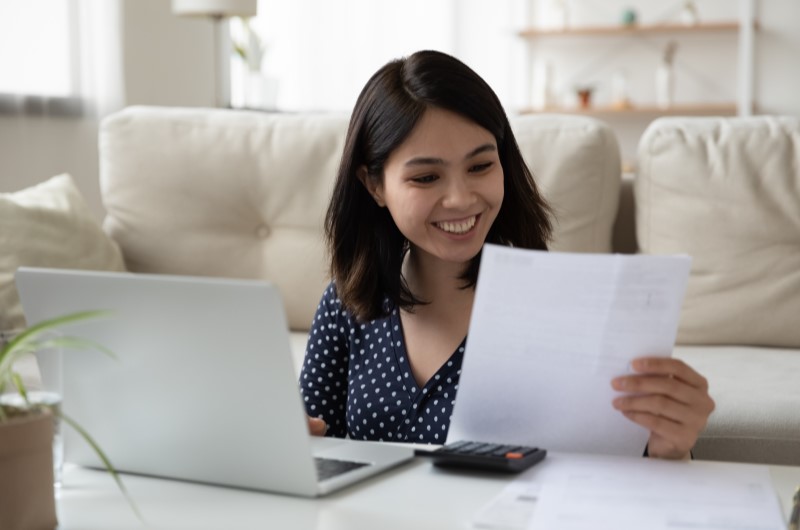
101	59
60	57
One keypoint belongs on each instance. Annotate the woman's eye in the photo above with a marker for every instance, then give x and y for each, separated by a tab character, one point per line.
426	179
478	168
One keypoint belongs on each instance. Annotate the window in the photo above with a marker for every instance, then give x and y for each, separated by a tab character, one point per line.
38	56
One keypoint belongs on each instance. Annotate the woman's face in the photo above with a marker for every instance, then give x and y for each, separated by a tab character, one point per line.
443	186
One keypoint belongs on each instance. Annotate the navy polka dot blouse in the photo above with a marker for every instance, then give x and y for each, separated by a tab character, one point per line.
356	377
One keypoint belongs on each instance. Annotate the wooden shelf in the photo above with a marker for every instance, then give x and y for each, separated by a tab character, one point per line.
711	109
635	29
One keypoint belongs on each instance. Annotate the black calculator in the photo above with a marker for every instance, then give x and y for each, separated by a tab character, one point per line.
488	456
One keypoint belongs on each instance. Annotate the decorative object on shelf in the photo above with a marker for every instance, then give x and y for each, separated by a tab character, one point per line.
665	77
629	17
218	10
620	98
562	13
689	13
543	93
584	93
257	90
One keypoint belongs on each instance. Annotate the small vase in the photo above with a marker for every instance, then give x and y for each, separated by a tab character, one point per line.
619	91
665	86
562	14
689	16
261	92
27	497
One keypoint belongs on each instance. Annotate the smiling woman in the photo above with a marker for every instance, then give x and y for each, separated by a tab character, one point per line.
430	172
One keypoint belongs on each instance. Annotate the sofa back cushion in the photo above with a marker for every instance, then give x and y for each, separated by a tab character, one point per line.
220	193
575	161
243	194
727	192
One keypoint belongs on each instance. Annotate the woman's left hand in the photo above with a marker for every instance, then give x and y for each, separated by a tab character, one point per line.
670	399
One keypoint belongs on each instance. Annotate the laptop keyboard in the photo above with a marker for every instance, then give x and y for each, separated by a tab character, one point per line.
329	467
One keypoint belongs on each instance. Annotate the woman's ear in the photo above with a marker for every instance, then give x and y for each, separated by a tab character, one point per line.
374	187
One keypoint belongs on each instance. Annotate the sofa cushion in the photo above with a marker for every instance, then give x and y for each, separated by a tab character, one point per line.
48	225
757	396
575	161
223	193
727	192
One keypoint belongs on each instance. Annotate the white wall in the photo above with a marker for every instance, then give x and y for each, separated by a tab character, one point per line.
168	61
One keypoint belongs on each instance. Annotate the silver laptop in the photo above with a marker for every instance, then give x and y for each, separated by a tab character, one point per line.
203	387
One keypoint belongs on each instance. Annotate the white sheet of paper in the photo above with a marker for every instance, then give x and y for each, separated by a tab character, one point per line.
616	493
548	333
511	509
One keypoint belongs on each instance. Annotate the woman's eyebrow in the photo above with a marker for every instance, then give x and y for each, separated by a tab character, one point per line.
429	161
481	149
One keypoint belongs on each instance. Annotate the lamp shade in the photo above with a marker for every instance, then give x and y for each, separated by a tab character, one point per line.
221	8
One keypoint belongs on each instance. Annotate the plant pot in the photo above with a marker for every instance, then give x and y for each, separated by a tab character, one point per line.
27	498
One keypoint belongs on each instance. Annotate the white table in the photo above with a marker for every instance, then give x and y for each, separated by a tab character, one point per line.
414	496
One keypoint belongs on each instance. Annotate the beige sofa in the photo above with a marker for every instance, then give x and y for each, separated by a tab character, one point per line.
243	194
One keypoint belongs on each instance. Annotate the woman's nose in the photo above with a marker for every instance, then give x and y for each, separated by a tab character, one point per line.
458	194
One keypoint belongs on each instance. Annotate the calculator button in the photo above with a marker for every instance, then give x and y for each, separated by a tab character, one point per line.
485	449
503	449
466	448
457	446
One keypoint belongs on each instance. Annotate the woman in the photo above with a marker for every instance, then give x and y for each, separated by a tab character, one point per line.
430	172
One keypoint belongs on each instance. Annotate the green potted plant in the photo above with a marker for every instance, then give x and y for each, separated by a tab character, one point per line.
26	430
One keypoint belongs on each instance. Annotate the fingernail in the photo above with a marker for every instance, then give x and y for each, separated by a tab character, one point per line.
618	383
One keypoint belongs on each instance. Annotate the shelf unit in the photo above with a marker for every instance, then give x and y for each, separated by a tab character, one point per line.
635	29
745	27
715	109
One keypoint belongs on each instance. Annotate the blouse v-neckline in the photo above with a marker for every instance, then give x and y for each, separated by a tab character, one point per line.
451	364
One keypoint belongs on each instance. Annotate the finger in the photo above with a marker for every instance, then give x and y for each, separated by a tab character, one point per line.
672	367
662	406
663	385
317	426
680	438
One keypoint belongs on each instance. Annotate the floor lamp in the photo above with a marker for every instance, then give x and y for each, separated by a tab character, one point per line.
218	10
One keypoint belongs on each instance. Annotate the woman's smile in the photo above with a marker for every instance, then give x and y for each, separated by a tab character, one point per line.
458	227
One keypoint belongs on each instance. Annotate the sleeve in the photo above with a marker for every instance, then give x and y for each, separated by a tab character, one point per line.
323	377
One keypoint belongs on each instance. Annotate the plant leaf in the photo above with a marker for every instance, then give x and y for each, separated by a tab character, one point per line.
33	331
20	386
74	343
106	462
23	342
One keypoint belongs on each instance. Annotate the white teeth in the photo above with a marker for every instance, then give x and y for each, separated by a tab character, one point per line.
461	227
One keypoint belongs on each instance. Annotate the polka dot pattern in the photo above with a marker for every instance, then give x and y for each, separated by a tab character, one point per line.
356	377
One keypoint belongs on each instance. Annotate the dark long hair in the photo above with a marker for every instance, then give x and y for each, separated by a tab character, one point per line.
365	245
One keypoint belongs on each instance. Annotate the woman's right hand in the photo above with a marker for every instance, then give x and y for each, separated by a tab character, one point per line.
317	426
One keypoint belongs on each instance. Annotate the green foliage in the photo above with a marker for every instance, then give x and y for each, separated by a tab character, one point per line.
40	337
